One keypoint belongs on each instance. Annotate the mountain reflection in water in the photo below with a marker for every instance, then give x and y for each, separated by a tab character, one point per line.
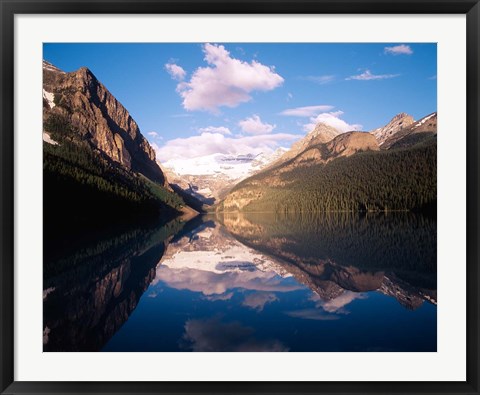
250	282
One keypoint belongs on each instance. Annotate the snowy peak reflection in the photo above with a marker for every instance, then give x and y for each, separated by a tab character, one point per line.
209	260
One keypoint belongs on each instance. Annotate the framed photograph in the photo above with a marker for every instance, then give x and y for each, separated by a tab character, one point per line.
239	197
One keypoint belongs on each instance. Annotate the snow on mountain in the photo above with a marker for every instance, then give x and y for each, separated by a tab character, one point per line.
431	118
48	139
403	130
211	176
49	97
50	67
232	166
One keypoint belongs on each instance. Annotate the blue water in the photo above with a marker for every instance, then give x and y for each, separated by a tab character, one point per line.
254	283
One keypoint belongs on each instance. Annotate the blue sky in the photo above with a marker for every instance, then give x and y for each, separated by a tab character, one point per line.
196	99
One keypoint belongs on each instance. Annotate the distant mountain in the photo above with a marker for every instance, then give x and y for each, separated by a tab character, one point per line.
398	122
417	132
98	167
314	152
321	134
208	178
391	168
404	131
345	144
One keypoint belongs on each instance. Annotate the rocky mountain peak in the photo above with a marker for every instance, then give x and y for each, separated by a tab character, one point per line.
399	117
411	134
345	144
85	76
321	134
397	123
98	117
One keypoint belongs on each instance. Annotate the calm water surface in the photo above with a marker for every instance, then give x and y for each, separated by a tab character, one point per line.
256	282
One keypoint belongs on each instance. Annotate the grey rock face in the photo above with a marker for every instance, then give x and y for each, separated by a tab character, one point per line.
99	118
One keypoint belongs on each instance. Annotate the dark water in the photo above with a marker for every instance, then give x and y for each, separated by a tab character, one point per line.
262	282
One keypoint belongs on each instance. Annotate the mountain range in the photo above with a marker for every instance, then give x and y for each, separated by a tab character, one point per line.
389	168
210	177
97	160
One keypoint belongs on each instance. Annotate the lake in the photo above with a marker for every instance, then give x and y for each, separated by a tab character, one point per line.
351	282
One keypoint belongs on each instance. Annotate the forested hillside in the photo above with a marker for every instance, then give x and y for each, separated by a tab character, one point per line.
82	187
99	171
397	179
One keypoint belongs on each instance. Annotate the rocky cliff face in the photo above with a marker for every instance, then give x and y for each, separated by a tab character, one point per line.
398	122
87	105
426	124
403	131
320	135
350	143
415	133
345	144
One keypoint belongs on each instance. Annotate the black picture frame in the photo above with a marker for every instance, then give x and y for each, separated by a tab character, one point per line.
9	8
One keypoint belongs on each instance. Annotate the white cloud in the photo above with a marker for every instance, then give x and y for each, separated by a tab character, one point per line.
258	300
367	76
215	335
153	134
321	114
226	81
399	50
211	143
332	119
338	304
215	129
254	125
308	111
321	79
211	283
327	310
175	71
